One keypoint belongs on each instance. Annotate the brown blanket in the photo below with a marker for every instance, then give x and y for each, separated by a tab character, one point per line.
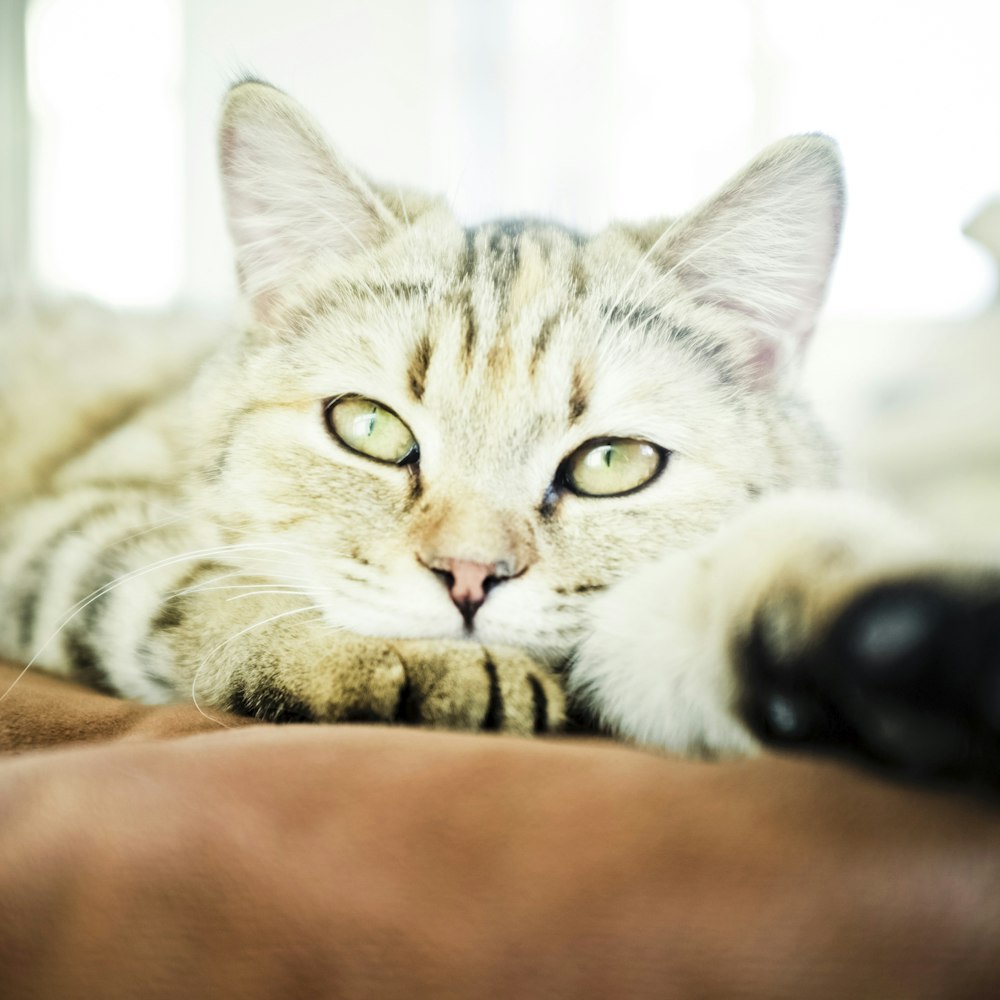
297	862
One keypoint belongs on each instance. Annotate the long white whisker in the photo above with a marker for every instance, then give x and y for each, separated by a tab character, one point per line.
286	592
142	571
225	642
155	526
113	585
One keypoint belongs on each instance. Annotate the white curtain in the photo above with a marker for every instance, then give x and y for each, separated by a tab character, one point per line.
14	162
585	110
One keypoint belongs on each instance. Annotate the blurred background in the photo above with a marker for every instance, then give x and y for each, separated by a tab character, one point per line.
585	110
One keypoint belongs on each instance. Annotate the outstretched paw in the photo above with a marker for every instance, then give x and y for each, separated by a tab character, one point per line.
905	670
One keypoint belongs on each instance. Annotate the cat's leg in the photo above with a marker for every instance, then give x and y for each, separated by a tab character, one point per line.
112	587
812	621
275	658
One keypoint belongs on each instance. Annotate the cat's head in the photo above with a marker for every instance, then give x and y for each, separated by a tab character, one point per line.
446	431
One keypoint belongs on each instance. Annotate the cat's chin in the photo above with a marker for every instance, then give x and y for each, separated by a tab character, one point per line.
445	627
456	634
487	635
403	629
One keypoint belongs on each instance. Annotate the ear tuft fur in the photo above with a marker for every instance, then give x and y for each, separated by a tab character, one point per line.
764	245
291	201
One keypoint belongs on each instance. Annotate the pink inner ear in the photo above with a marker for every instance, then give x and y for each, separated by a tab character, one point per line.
770	363
765	357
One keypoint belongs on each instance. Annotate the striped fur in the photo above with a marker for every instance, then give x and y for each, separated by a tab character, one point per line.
215	542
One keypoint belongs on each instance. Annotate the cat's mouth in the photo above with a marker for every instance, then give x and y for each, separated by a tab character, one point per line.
464	605
470	583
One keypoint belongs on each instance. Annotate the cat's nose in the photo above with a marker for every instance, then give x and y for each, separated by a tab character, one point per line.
469	582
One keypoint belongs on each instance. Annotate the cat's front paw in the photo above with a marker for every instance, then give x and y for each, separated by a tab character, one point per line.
436	683
904	669
460	685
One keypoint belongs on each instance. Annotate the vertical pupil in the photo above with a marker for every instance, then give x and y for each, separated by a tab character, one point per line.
369	421
609	452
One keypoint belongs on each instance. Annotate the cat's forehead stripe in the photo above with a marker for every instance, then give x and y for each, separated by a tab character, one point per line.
579	394
468	332
420	361
508	265
541	342
493	251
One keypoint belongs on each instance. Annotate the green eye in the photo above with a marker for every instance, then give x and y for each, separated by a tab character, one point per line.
372	430
612	466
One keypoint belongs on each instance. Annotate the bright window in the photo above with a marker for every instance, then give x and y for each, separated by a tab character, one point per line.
584	109
104	87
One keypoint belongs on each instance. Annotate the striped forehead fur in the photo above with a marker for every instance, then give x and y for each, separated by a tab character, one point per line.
512	293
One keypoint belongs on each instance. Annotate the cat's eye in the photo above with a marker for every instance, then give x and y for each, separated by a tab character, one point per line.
611	467
371	430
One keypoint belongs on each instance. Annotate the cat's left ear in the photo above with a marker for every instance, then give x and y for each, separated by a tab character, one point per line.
291	201
764	246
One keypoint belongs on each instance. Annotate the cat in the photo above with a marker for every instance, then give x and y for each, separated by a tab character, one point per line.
480	477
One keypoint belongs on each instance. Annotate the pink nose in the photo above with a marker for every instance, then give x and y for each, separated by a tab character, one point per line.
469	582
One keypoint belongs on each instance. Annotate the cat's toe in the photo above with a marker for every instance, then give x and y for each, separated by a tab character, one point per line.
903	662
782	702
460	685
920	740
897	637
986	689
906	672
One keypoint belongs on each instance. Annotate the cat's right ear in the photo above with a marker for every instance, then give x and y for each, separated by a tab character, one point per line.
291	202
762	248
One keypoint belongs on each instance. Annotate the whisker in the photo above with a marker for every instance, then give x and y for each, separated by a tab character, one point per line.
286	592
250	628
630	281
107	588
155	526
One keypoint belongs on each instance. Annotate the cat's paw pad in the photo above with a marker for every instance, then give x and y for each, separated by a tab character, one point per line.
460	685
907	671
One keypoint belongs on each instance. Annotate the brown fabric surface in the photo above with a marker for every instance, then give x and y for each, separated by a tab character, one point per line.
301	862
38	711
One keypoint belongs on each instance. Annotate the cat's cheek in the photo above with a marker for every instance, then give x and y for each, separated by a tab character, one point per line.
396	614
380	625
654	665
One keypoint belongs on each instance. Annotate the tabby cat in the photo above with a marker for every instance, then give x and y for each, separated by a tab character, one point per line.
462	477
